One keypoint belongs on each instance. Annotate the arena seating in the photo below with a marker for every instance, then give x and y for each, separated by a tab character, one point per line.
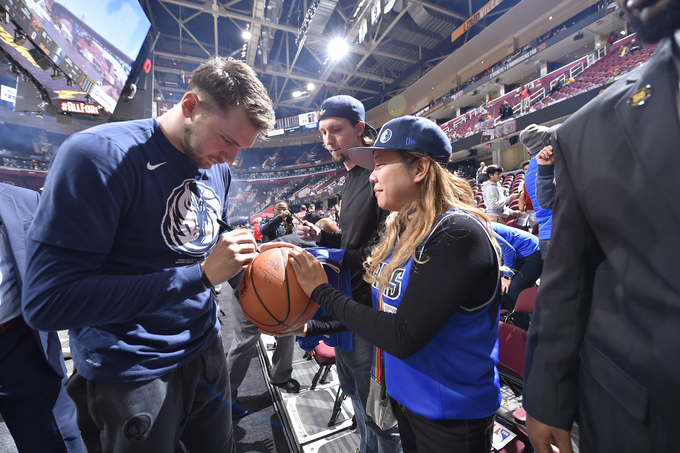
28	179
587	77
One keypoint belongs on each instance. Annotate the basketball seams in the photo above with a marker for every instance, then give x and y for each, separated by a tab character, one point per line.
284	259
264	273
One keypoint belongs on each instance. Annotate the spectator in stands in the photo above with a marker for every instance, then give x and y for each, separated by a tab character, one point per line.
117	254
535	138
604	335
256	230
616	73
312	216
524	201
279	225
469	132
438	349
481	173
342	125
525	96
522	255
33	400
452	167
495	196
569	82
611	39
635	46
505	110
623	51
557	87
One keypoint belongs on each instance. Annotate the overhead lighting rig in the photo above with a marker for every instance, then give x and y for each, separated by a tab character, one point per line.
304	28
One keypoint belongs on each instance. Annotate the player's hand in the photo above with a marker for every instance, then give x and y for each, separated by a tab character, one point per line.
308	270
309	232
514	196
542	436
232	251
505	285
545	156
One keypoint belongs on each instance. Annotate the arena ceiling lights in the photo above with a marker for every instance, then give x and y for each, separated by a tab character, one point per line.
338	48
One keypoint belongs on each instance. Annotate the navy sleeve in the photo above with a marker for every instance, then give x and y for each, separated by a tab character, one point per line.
59	280
545	186
460	270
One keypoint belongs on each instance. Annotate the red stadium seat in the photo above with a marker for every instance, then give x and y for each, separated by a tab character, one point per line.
526	300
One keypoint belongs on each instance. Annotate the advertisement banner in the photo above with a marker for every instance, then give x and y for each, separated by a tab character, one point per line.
486	9
8	94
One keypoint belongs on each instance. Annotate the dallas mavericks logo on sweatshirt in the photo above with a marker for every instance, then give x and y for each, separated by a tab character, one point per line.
190	225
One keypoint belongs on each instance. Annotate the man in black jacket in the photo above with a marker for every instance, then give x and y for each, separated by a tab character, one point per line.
279	225
505	110
342	124
602	346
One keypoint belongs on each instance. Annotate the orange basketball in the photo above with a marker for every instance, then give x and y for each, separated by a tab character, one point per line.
270	295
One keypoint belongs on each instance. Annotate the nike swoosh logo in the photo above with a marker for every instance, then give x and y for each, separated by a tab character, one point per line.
153	167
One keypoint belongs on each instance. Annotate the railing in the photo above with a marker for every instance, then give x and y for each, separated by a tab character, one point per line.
554	82
573	72
538	95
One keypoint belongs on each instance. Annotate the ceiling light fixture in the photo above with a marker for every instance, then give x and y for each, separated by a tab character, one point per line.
337	48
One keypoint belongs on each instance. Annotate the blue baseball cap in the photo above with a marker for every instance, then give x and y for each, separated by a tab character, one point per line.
408	133
344	107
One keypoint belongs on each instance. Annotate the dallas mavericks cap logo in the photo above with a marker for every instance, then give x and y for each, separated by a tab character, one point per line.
386	136
408	133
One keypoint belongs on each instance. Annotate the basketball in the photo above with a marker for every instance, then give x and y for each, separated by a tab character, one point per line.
270	295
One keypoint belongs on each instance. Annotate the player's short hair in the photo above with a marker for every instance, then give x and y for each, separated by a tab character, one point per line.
223	84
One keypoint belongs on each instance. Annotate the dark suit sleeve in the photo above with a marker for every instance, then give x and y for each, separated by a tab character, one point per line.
551	368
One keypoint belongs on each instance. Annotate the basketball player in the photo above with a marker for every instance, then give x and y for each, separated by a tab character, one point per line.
117	254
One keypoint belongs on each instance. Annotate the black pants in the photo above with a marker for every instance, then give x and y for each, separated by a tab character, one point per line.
188	405
422	435
528	270
33	401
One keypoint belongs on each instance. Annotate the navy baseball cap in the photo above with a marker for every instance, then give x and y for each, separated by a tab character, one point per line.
344	107
408	133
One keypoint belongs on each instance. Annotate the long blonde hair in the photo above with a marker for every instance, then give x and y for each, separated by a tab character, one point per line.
440	191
